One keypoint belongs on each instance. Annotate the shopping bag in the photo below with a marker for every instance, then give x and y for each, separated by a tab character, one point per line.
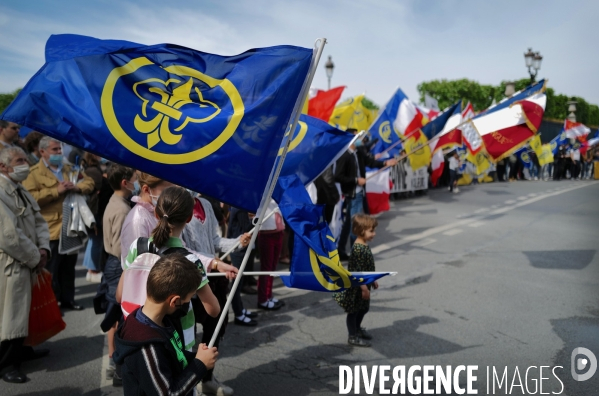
45	320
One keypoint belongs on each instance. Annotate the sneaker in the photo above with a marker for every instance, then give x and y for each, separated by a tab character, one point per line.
448	188
96	277
536	178
362	333
110	369
215	387
88	276
357	341
117	381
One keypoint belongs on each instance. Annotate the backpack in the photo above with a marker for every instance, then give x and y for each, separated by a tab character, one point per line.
136	276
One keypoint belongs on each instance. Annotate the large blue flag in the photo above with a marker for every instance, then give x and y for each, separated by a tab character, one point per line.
211	123
314	146
315	261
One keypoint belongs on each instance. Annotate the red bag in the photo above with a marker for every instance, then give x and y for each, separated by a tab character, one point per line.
45	320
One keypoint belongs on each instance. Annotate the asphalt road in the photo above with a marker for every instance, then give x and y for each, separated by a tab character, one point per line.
499	275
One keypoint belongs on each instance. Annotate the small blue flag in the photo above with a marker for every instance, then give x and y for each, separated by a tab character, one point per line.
524	157
211	123
434	127
383	127
315	261
559	140
314	146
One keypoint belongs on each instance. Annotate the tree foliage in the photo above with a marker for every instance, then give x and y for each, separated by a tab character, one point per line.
369	104
7	98
447	92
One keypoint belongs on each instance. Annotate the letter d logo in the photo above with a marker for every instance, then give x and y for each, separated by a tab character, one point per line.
581	364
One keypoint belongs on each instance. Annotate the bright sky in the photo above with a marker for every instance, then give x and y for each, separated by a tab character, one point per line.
376	45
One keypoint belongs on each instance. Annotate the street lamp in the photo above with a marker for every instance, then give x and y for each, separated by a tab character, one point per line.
329	66
533	62
572	109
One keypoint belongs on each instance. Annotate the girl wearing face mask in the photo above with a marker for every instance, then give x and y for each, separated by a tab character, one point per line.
141	220
173	211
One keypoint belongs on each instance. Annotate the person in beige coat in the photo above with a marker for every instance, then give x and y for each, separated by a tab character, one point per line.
24	247
49	182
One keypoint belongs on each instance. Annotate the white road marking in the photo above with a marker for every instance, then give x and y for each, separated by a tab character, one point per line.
439	229
453	232
522	198
494	206
511	201
480	210
424	242
476	224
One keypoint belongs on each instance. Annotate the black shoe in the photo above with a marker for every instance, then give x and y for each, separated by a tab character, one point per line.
357	341
246	321
250	314
362	333
31	354
15	376
247	289
343	256
270	306
72	306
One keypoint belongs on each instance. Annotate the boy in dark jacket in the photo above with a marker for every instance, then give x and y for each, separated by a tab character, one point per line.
149	345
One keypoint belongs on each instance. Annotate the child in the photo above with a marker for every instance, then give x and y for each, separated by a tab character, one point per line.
149	345
174	210
356	300
122	180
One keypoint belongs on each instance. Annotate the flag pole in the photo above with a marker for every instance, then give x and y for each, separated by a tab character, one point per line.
288	273
270	186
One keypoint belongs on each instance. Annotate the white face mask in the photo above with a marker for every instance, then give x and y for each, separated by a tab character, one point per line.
154	198
19	173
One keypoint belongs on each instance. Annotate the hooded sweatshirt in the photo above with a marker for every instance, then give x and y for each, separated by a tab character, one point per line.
150	363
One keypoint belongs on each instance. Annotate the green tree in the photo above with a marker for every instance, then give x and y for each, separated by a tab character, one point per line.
7	98
369	104
447	92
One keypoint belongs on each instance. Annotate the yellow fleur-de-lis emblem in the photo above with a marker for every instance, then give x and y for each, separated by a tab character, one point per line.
168	107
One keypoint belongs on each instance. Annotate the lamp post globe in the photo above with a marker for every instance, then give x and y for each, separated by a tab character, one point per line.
329	66
533	63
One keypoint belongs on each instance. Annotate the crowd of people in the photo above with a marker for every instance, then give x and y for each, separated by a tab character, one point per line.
133	213
135	217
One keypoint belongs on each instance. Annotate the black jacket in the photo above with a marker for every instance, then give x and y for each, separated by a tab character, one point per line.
149	361
326	190
346	171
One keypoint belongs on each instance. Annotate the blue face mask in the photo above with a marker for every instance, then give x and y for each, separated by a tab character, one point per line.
358	143
103	160
56	159
136	186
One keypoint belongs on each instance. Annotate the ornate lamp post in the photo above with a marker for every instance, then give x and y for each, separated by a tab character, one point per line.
329	66
533	63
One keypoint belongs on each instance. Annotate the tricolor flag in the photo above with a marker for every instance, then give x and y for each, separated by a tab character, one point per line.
378	190
508	128
575	130
453	118
385	127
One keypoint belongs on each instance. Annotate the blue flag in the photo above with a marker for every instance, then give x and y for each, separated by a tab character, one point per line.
558	141
435	126
383	126
314	146
524	157
211	123
315	262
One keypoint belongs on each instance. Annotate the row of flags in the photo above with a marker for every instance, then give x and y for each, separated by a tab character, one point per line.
214	123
